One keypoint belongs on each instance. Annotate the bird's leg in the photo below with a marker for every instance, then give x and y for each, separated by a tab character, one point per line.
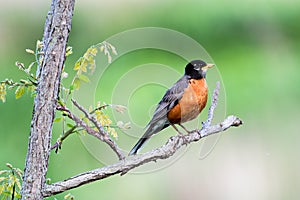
173	125
184	128
180	134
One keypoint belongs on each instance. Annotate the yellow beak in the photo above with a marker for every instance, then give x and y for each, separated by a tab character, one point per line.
209	65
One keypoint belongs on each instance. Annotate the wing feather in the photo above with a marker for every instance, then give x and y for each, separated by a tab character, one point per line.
169	100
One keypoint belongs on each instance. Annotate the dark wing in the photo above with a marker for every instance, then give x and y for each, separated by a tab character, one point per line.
170	99
159	120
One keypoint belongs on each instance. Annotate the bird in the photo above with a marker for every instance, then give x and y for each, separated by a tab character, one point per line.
181	103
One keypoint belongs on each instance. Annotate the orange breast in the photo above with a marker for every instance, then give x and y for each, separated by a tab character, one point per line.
191	104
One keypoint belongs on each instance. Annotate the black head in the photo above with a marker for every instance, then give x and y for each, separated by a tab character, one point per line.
196	69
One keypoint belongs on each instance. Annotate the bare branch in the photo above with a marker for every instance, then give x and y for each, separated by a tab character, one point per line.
164	152
57	145
212	107
101	134
123	166
91	118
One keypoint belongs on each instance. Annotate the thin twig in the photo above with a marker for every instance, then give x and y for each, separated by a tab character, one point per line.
58	143
91	131
104	135
89	117
80	122
100	108
212	107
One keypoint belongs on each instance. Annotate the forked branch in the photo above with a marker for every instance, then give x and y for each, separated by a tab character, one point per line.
100	133
131	162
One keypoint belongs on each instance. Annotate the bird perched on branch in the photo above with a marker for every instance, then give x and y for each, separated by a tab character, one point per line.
182	102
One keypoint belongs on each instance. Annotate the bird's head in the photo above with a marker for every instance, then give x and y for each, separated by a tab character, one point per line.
196	69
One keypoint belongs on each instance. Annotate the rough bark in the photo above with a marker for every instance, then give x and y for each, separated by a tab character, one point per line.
57	28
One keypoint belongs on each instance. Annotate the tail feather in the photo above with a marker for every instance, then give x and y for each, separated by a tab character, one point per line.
151	130
138	145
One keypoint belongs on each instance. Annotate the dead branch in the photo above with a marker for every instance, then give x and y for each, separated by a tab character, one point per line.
129	163
101	134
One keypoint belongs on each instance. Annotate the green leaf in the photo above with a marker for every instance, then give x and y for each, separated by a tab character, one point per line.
70	125
20	91
61	102
48	181
71	88
77	64
30	51
29	67
17	195
19	172
93	50
84	78
6	193
69	196
83	66
76	83
69	51
33	94
9	165
1	188
2	92
4	172
58	119
39	44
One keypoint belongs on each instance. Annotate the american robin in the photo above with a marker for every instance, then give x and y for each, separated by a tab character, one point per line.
182	102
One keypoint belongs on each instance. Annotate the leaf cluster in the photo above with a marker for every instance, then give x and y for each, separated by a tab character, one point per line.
87	62
29	83
10	183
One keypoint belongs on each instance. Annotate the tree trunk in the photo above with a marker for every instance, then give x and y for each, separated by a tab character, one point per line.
57	28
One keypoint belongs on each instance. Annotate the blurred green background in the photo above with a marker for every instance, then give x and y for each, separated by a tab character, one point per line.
255	45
